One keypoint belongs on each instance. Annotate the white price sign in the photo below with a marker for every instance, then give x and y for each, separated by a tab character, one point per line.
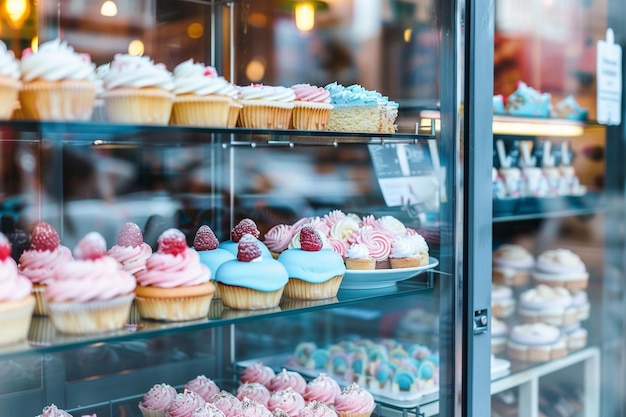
609	75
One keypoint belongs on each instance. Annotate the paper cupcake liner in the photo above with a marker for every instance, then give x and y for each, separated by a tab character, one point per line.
202	111
40	300
174	308
310	116
361	264
347	414
233	113
146	412
298	289
9	89
41	331
90	317
258	114
58	100
139	105
15	317
240	298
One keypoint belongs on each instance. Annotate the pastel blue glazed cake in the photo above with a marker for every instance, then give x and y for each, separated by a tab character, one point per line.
528	102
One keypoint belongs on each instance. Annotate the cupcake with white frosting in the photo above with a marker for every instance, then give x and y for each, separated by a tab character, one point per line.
266	107
9	81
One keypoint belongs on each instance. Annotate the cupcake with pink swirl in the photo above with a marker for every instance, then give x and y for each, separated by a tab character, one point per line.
207	410
323	389
251	408
92	293
317	409
257	372
265	106
175	285
130	250
227	403
53	411
184	404
39	262
155	401
287	400
16	301
378	242
312	107
288	379
277	239
203	386
354	401
254	391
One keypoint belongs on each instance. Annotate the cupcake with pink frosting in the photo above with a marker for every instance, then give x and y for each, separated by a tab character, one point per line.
257	372
38	263
377	241
207	410
254	391
288	379
91	293
156	400
130	250
227	403
312	107
175	285
317	409
287	400
203	386
323	389
354	401
184	404
53	411
16	301
251	408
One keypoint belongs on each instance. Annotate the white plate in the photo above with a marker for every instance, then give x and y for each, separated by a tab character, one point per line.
499	368
381	278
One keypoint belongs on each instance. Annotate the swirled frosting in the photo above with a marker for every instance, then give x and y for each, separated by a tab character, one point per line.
184	404
9	65
254	391
288	379
358	251
208	410
334	216
355	96
251	408
196	78
401	247
132	258
339	246
13	285
55	60
317	409
278	237
52	411
267	92
392	225
165	270
287	400
343	228
318	223
307	92
39	265
227	403
513	256
312	266
158	397
89	280
377	242
257	372
137	72
543	296
355	400
322	388
202	386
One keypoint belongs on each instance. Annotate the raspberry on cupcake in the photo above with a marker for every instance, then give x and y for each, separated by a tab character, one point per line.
206	244
245	226
130	250
253	281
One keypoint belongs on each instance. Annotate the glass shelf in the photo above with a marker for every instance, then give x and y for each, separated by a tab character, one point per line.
511	210
43	338
103	134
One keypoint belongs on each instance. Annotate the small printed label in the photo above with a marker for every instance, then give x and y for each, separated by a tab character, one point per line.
609	80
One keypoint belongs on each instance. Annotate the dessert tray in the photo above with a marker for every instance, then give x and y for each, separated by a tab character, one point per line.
381	278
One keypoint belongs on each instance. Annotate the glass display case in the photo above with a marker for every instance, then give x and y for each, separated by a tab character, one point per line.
575	206
428	174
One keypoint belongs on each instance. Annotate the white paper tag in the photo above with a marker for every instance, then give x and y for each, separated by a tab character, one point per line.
609	80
